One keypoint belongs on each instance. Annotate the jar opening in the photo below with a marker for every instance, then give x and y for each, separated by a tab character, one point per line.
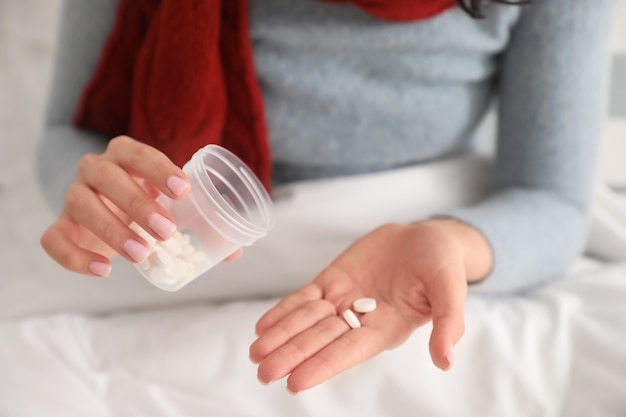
240	198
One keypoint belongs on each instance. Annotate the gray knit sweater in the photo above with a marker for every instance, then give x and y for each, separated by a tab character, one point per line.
347	93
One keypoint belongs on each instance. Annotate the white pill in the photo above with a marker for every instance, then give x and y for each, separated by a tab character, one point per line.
187	248
174	262
145	264
178	269
162	258
172	246
190	274
351	319
158	275
364	305
197	258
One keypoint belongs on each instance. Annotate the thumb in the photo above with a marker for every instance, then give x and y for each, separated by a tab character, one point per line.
447	297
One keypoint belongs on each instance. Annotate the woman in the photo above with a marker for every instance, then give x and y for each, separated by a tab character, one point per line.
335	78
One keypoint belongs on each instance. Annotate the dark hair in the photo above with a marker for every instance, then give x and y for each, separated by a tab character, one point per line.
475	7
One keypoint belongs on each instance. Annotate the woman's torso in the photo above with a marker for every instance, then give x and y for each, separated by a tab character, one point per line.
345	92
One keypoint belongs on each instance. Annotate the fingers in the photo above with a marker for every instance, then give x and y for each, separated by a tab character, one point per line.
312	343
319	353
287	305
111	190
235	255
353	347
128	174
304	317
150	164
67	253
86	208
301	348
128	196
447	297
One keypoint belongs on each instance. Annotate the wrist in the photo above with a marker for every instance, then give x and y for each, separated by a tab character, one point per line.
477	252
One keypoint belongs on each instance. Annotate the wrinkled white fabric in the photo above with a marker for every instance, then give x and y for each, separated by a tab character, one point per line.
554	352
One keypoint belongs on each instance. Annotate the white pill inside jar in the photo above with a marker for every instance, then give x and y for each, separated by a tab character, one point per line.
158	274
351	319
210	226
162	258
364	305
178	269
173	246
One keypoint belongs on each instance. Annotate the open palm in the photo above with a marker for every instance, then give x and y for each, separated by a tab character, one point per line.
415	272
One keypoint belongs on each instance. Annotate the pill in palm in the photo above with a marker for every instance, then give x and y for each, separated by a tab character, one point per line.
364	305
351	319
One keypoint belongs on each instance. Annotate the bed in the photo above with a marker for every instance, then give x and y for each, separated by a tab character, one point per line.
124	348
71	346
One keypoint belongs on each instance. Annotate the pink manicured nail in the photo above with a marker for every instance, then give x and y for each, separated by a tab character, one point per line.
136	250
99	268
450	357
161	225
177	185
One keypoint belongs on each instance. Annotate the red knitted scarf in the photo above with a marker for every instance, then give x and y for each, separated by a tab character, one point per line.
179	74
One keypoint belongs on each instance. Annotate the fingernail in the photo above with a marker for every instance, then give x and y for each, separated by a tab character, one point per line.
262	382
450	357
177	185
290	391
161	225
99	268
136	250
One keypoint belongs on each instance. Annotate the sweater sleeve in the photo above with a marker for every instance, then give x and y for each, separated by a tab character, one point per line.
552	88
83	30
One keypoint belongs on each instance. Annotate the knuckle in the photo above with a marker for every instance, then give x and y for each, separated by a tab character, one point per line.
156	173
85	163
299	350
141	151
119	142
261	349
70	261
136	203
74	198
351	345
330	326
46	239
105	171
265	371
109	232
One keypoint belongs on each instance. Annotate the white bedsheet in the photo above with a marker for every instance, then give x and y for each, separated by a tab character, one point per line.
560	351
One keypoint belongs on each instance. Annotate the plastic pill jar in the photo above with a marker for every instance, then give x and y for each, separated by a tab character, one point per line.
227	208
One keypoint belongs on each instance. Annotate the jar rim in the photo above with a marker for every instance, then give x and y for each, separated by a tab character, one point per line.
252	185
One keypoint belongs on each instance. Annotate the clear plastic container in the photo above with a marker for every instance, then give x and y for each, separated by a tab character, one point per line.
227	208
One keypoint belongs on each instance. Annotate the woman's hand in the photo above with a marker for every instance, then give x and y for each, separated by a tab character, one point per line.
417	273
111	191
